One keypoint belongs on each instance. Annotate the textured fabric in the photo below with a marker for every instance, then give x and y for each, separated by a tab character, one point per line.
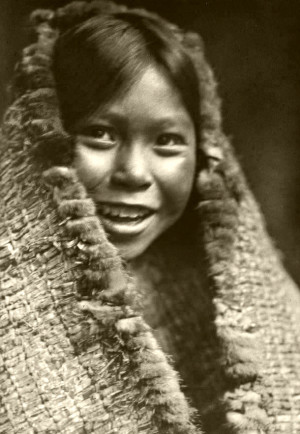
63	370
77	352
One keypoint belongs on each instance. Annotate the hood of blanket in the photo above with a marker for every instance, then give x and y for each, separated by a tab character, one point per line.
69	310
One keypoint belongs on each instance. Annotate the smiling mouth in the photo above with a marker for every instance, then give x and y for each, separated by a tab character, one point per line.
124	219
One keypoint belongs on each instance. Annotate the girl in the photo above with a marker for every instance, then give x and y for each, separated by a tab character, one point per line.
140	291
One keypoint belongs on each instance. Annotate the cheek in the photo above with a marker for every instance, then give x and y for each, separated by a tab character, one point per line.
92	166
176	183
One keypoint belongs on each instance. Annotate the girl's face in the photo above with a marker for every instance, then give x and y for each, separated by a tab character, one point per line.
137	156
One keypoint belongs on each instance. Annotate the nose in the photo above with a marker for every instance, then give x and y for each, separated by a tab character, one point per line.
131	168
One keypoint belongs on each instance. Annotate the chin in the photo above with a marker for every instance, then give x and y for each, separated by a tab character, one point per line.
132	247
131	250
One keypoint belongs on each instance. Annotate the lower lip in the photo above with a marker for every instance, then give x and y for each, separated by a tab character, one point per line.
125	229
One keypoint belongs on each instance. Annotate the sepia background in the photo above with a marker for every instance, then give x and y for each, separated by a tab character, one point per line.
254	49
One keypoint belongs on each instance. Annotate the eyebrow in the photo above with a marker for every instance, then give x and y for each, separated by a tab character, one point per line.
121	119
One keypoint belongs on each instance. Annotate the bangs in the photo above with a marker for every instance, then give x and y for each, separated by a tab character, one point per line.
95	62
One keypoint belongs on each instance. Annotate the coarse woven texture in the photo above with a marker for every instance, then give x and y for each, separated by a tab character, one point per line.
76	354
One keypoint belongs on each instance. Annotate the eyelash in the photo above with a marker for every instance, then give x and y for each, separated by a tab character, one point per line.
178	139
91	137
167	148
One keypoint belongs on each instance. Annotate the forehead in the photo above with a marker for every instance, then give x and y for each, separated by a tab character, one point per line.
152	96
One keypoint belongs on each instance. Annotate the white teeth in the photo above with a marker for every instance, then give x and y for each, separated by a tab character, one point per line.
133	212
114	212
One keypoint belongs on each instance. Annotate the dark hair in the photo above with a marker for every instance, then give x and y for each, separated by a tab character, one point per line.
106	54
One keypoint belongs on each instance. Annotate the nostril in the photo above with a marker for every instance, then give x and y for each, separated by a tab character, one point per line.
131	169
132	179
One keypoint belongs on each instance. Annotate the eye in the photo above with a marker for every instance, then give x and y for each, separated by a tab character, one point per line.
170	139
98	136
170	143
